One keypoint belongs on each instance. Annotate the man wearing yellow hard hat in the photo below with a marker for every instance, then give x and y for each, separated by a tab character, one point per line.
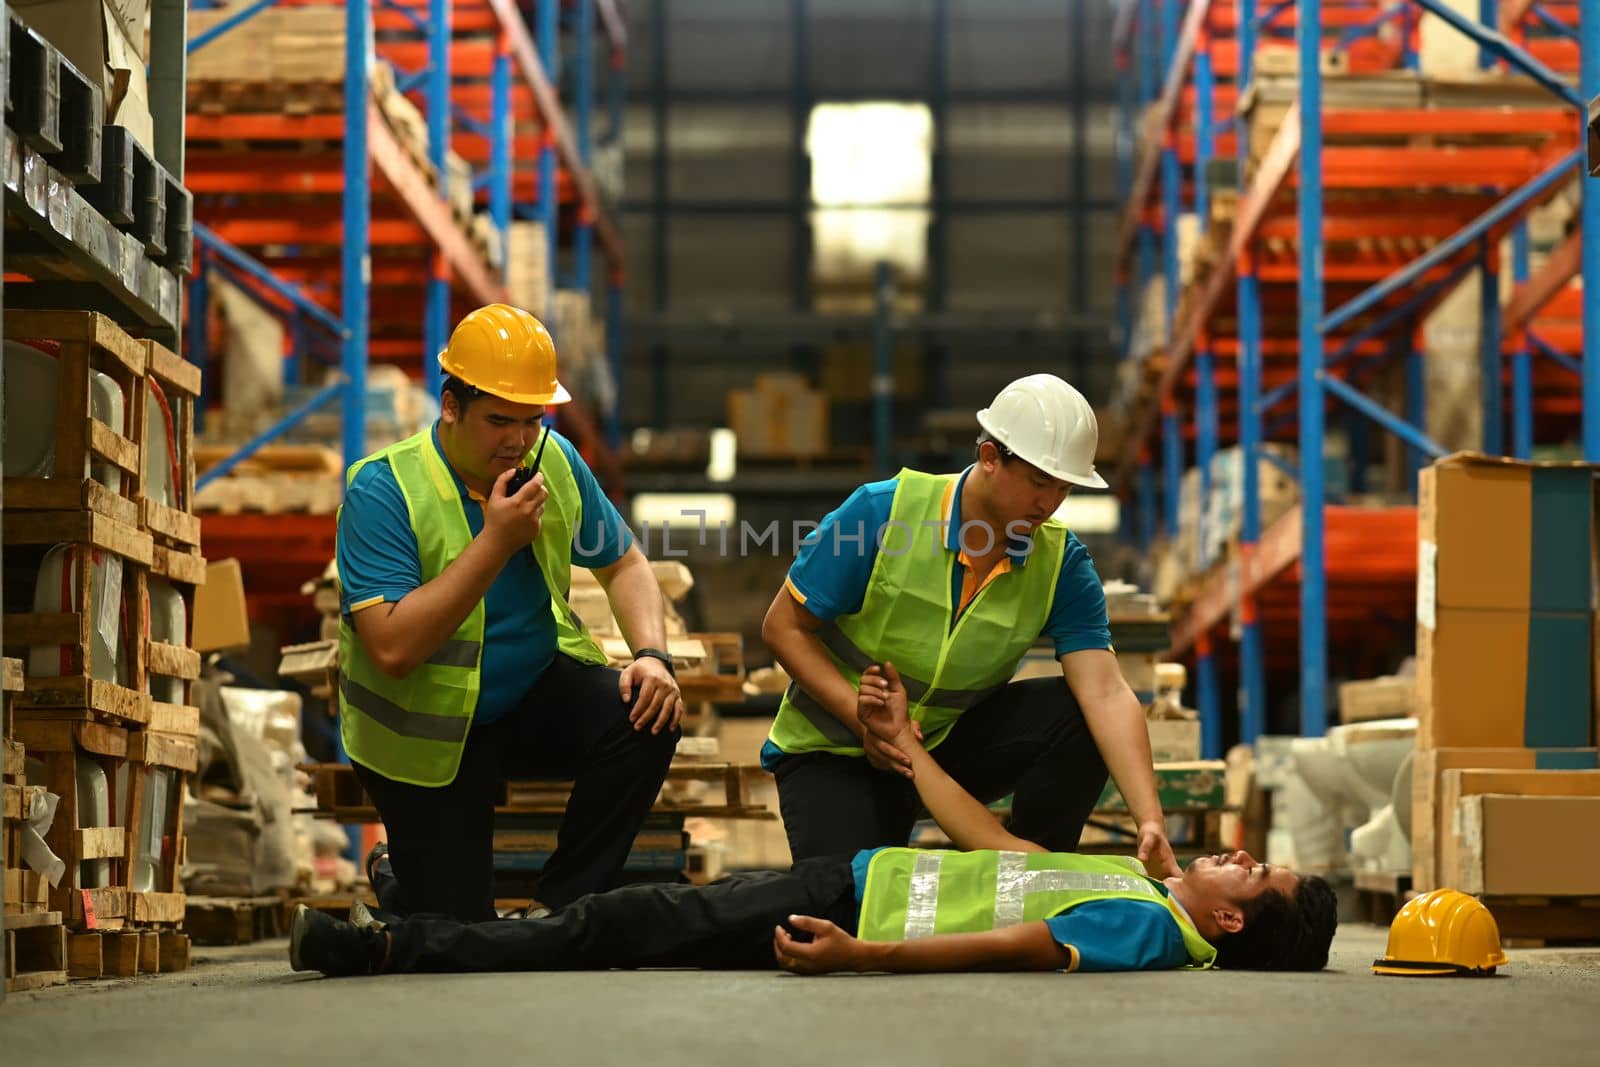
953	577
461	662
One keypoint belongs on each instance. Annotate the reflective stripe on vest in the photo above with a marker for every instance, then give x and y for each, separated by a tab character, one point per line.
400	720
1013	883
948	664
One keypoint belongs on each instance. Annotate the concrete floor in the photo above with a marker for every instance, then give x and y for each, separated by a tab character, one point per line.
244	1007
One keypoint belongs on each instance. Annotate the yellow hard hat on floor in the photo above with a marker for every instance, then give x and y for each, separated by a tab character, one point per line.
1443	932
505	351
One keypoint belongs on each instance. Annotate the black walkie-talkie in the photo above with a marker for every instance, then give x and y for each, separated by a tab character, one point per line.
523	475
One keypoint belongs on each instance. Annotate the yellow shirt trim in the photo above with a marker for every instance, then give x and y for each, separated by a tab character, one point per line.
367	603
794	592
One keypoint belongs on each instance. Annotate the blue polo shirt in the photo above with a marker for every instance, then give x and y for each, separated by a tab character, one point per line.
830	573
1108	935
378	562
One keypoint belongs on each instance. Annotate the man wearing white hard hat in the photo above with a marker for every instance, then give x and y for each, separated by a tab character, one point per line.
952	578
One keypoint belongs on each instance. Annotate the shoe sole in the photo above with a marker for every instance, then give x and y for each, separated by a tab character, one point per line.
298	925
361	917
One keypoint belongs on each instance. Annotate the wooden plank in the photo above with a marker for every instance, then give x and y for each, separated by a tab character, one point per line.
172	661
119	954
88	326
36	948
40	628
174	951
156	907
150	952
163	750
111	446
173	565
100	843
172	371
14	800
24	983
170	522
13	763
56	494
11	678
83	955
77	527
110	902
32	919
44	731
78	693
176	719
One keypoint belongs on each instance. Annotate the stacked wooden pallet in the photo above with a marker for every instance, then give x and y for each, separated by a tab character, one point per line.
108	542
34	948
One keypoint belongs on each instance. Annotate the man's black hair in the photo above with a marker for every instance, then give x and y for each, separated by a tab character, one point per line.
1006	455
463	392
1284	933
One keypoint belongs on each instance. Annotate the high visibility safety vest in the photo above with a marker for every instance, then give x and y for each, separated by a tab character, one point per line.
905	618
912	893
413	729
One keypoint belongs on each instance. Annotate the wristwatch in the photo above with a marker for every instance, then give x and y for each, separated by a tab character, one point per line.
655	653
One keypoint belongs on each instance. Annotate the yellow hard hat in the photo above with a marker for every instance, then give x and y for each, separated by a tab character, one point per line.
505	351
1442	932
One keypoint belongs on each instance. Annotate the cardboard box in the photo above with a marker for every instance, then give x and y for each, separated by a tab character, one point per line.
1377	698
1508	845
1455	786
1174	740
104	40
1431	822
298	44
221	619
1503	679
770	421
1500	533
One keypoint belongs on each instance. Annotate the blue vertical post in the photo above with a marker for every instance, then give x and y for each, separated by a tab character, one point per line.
1206	420
356	255
1493	365
1148	509
436	305
883	368
1521	358
1145	60
196	347
1172	463
1205	691
1313	564
1589	88
548	39
298	343
1204	134
503	127
1416	404
1252	662
1171	178
583	111
1489	17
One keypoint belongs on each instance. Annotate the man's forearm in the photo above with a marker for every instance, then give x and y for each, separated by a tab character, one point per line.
1025	947
421	621
636	601
1117	723
963	818
801	654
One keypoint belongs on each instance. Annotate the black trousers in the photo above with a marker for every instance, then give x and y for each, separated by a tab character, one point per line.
573	724
727	925
1029	739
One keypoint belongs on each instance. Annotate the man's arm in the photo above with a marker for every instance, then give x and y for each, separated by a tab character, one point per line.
790	631
636	601
967	822
1024	947
1117	724
400	635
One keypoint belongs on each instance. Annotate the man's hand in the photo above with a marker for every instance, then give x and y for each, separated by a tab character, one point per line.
513	521
660	703
882	708
830	948
1155	851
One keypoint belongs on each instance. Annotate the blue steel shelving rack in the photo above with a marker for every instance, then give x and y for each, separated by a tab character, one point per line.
1151	42
518	74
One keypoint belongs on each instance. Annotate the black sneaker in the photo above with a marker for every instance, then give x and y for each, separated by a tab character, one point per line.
379	851
319	942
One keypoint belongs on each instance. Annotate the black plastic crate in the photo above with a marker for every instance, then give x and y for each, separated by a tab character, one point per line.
82	115
180	227
113	196
36	90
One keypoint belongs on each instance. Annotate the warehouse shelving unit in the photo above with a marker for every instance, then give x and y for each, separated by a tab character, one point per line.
1333	215
330	221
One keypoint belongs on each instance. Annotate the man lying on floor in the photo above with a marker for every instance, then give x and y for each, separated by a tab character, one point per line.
999	904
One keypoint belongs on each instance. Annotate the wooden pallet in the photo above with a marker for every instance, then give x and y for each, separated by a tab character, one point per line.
234	920
1380	895
220	97
35	951
126	953
1533	920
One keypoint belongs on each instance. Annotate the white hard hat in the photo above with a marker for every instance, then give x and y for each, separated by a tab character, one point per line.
1048	423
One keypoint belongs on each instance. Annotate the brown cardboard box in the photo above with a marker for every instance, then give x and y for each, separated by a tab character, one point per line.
1472	679
105	41
1454	786
1475	515
221	619
773	421
1377	698
1506	845
1174	740
1430	820
280	44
